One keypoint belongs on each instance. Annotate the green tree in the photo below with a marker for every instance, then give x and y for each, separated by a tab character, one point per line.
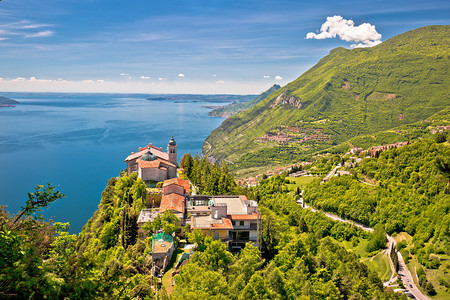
36	201
217	256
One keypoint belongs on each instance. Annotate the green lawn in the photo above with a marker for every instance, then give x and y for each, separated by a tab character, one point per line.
433	276
403	236
300	182
379	264
167	277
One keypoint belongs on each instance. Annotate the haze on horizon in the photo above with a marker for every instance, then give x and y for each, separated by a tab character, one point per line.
192	46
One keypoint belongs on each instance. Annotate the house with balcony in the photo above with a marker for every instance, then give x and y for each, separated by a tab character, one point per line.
232	219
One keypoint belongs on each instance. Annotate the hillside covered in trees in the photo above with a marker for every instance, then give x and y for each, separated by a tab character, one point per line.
407	192
348	93
303	256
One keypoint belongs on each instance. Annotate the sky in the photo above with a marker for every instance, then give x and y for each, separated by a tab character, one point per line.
188	46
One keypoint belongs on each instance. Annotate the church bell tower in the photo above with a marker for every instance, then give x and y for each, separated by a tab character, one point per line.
172	150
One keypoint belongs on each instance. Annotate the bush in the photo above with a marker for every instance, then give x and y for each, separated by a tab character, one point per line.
401	245
429	289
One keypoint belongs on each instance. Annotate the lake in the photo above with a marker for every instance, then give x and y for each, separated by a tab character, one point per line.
78	141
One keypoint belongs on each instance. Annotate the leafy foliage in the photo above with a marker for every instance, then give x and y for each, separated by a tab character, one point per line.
300	261
212	179
411	192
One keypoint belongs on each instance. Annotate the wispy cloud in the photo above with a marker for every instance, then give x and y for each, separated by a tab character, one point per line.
365	35
23	29
39	34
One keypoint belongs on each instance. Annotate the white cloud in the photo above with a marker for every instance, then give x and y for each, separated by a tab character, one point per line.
23	29
364	35
266	76
181	75
124	74
214	75
145	77
162	78
278	77
22	84
39	34
33	26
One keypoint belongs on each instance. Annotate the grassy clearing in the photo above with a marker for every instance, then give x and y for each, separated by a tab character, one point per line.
442	273
300	182
359	249
167	277
403	236
379	264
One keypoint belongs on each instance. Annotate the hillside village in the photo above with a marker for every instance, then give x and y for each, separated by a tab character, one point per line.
232	219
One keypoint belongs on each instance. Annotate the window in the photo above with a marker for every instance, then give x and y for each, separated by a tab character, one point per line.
243	235
241	223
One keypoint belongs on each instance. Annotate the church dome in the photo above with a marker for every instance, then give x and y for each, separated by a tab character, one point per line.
172	142
149	156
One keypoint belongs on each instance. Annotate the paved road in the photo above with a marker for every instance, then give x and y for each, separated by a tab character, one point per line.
403	271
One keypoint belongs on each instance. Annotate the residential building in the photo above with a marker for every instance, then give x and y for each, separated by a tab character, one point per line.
232	219
146	215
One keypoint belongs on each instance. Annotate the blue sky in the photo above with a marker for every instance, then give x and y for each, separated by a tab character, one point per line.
181	46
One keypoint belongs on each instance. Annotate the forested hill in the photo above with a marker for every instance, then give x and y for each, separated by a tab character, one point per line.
346	94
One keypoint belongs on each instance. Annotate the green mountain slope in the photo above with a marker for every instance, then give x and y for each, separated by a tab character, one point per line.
346	94
233	108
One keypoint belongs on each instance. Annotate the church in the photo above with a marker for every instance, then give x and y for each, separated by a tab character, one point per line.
152	164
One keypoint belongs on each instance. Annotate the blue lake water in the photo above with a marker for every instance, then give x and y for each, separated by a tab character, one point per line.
78	142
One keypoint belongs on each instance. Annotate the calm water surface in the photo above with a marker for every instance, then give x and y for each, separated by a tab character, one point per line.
78	142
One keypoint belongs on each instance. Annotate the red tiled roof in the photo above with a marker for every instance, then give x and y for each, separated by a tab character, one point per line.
142	151
154	164
253	216
148	164
178	181
225	225
172	201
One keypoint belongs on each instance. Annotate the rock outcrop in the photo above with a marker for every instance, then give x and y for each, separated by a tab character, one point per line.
286	99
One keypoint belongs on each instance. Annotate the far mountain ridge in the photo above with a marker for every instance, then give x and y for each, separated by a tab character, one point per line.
233	108
348	93
5	100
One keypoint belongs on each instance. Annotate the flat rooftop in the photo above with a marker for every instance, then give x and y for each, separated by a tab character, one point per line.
147	215
235	205
205	222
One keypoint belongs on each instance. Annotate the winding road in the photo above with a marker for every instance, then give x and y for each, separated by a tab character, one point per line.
403	270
